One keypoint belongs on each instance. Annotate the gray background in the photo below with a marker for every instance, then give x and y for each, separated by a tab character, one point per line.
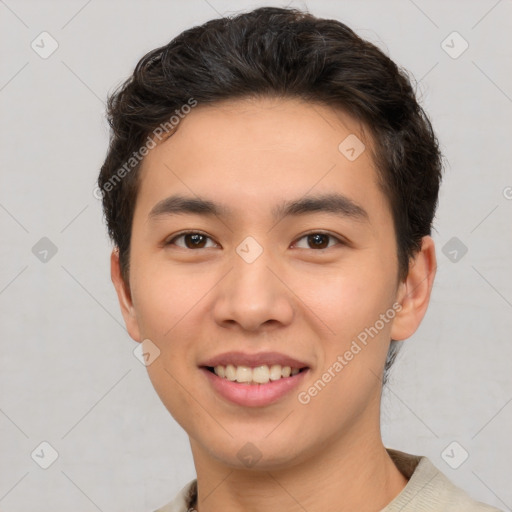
68	375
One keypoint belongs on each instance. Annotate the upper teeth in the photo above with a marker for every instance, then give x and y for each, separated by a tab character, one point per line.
259	374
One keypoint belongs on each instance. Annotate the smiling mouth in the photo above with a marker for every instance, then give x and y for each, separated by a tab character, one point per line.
254	375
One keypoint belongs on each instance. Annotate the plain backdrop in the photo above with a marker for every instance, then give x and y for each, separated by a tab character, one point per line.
68	376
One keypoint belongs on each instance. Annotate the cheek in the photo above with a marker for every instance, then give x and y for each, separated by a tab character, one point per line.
164	296
168	303
346	300
175	392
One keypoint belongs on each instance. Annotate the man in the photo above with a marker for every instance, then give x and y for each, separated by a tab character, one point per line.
270	188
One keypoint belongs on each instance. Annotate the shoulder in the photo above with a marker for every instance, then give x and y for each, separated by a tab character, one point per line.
429	490
181	502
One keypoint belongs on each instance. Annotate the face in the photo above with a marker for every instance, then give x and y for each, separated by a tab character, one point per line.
257	243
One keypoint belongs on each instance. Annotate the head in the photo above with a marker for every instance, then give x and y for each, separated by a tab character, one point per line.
292	131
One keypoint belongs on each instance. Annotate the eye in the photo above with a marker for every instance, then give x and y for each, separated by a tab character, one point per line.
317	241
191	240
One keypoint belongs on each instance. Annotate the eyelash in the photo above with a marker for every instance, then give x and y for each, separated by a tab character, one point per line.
184	233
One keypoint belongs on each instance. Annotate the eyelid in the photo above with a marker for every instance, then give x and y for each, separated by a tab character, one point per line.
341	240
338	238
172	238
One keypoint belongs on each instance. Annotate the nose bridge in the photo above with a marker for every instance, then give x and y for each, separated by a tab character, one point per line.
251	295
251	271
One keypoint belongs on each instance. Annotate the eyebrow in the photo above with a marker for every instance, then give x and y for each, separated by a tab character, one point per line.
328	203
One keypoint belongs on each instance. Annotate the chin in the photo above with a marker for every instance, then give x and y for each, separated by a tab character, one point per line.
256	454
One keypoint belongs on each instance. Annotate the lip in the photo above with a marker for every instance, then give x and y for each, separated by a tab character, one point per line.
253	360
253	395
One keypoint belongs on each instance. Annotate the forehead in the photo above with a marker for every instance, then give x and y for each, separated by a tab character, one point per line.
252	152
253	125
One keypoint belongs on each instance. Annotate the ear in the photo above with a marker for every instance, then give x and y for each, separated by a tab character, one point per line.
414	292
124	297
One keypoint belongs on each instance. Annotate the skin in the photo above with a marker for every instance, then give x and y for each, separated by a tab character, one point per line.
306	302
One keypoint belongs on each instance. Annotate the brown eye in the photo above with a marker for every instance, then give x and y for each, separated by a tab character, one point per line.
194	241
317	241
191	240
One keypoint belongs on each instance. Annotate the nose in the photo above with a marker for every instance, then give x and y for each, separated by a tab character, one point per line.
253	296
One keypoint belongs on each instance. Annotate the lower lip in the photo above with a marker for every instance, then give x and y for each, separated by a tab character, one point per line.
254	395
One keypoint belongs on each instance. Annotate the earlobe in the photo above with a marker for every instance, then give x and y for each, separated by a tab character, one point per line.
124	296
414	291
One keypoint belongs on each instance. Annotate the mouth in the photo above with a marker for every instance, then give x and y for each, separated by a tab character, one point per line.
258	375
253	380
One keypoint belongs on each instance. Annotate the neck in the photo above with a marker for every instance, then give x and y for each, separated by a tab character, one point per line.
351	474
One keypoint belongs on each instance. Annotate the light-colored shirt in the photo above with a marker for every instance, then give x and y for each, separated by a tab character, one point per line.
428	490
